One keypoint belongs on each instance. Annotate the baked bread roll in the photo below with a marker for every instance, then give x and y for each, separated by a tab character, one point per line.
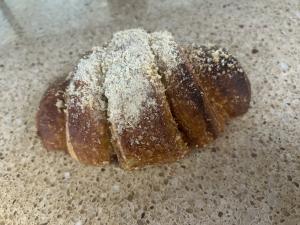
144	99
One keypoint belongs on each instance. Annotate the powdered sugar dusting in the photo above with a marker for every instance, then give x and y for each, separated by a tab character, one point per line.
130	73
165	48
87	82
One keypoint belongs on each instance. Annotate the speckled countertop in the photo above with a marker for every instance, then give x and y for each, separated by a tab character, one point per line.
250	175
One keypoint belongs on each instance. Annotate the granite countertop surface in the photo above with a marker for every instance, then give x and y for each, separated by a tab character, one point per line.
249	175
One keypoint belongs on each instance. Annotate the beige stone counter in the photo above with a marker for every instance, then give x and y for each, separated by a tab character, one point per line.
250	175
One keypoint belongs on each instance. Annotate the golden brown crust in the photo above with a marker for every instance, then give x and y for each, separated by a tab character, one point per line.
50	118
155	140
87	136
87	128
189	104
222	78
186	100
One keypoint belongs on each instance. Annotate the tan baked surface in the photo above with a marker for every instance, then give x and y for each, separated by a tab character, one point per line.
50	118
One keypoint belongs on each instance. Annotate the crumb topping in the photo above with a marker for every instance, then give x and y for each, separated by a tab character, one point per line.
87	82
130	78
165	49
122	78
214	60
60	105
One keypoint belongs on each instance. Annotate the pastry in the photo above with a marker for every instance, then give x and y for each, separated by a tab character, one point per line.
143	98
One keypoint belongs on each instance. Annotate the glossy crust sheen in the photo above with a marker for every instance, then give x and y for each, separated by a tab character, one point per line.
50	118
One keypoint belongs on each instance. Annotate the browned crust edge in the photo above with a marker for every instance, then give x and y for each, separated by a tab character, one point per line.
50	117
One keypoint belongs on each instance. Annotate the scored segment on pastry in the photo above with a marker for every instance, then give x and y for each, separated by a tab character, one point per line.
222	78
186	97
143	98
50	118
143	129
87	128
